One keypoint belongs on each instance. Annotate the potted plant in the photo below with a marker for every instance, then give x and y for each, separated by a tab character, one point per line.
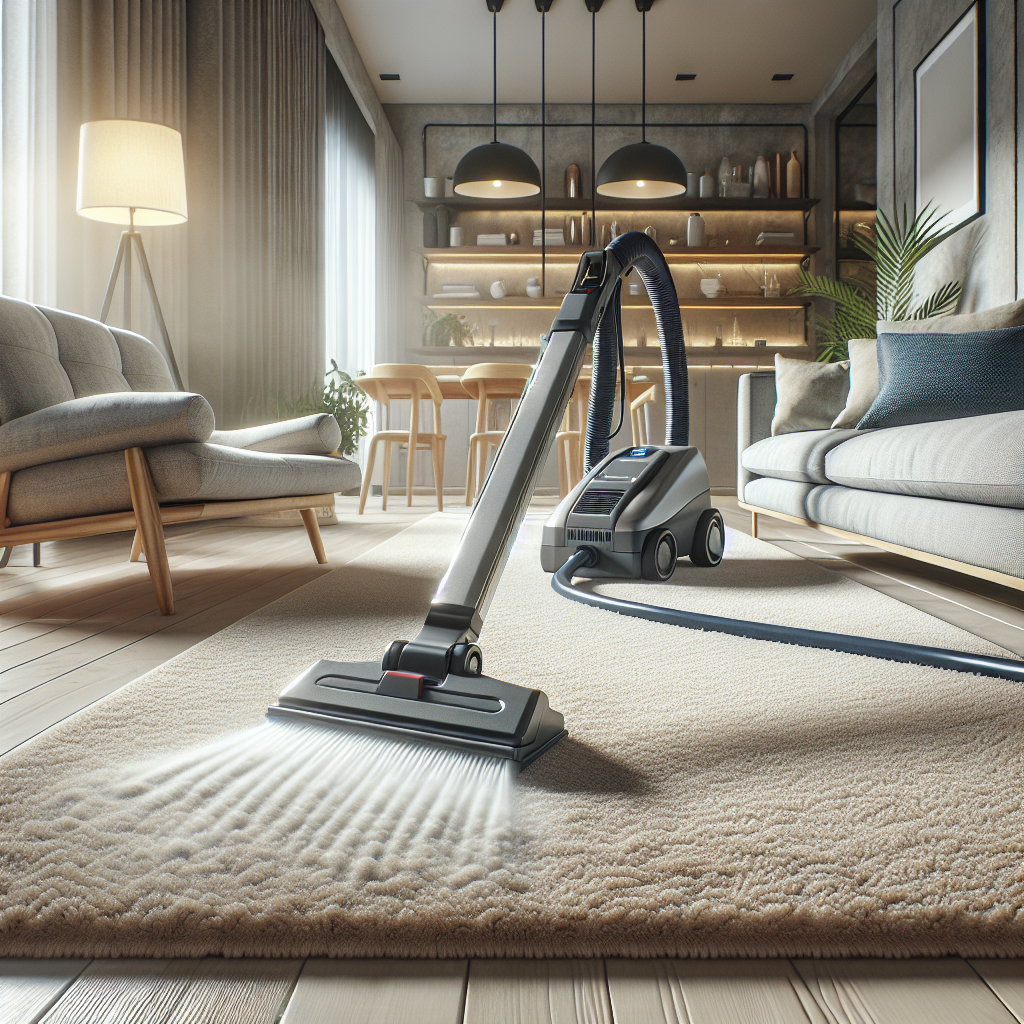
899	245
449	329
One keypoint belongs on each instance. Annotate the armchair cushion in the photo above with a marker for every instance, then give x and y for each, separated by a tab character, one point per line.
98	484
103	423
88	353
318	434
31	376
141	363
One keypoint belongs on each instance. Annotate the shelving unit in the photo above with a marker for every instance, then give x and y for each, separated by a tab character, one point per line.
628	302
731	254
571	254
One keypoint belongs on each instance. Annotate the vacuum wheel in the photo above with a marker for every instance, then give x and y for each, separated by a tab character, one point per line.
658	558
708	538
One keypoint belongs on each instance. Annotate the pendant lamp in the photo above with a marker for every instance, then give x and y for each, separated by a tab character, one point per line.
496	170
642	170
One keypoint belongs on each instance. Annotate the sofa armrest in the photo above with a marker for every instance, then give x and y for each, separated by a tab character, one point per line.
103	423
318	434
755	407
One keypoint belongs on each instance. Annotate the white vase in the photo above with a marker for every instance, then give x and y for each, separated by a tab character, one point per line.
761	183
695	234
498	290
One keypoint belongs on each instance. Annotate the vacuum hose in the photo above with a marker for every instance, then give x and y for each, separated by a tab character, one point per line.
636	250
890	650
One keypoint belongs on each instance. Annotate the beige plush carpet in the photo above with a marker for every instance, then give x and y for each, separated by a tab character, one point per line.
716	796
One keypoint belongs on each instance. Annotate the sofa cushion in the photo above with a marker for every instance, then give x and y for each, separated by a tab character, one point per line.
318	434
97	484
809	395
925	377
984	535
978	459
799	456
141	363
1009	315
31	376
863	382
88	353
786	496
103	423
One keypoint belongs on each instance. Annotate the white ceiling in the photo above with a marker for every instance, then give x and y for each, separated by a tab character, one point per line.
442	49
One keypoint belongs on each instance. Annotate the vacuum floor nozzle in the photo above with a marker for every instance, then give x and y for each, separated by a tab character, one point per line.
473	713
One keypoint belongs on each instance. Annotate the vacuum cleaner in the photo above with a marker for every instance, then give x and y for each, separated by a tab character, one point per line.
634	514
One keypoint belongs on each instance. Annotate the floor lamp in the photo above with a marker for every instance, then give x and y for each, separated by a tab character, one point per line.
132	172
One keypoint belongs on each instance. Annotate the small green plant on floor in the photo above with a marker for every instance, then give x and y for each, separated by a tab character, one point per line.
339	395
899	245
450	329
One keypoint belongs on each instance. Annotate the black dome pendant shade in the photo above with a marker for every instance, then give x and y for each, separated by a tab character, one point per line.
496	170
642	170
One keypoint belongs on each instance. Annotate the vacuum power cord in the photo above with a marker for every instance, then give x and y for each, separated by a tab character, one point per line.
889	650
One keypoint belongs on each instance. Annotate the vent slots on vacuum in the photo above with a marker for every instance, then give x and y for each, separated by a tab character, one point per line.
581	536
597	503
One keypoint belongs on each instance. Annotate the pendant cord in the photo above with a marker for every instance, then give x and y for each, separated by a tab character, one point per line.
593	118
543	157
495	74
643	86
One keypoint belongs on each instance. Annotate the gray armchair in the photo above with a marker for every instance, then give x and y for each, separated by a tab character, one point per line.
94	438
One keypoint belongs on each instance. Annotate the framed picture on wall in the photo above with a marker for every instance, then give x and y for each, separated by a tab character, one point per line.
949	122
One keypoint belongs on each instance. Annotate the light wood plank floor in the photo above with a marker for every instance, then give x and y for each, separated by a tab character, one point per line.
85	623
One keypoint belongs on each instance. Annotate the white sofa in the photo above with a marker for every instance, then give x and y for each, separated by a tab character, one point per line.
949	491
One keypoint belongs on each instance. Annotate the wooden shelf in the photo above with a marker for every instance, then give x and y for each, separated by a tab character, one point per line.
610	205
554	302
572	253
649	355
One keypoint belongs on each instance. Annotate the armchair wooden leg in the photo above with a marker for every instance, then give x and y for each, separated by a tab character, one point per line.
6	556
136	547
368	474
313	529
147	516
753	524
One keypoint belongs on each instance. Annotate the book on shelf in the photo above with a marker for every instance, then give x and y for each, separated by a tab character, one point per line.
776	238
492	239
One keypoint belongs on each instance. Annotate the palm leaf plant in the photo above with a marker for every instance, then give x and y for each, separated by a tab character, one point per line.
897	248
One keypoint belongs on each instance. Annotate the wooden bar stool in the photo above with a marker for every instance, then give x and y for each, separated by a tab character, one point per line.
384	384
488	382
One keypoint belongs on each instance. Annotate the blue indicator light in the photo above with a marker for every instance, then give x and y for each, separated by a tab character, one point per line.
638	453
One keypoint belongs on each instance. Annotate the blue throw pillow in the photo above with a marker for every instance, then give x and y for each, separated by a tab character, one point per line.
925	377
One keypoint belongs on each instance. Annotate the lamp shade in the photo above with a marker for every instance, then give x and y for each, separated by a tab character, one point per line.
642	171
125	165
496	170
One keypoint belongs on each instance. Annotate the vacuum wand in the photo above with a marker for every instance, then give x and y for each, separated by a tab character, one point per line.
432	687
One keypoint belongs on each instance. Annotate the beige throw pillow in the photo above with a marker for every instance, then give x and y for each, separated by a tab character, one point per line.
808	396
863	382
994	319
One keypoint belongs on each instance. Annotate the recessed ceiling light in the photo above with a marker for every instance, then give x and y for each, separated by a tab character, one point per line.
781	78
392	77
685	78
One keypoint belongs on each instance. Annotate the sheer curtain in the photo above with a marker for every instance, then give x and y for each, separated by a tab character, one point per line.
255	167
28	150
349	229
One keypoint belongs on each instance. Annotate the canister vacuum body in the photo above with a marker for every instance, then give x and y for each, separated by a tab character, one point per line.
639	510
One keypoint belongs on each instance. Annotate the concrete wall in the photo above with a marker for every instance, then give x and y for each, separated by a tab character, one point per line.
983	254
